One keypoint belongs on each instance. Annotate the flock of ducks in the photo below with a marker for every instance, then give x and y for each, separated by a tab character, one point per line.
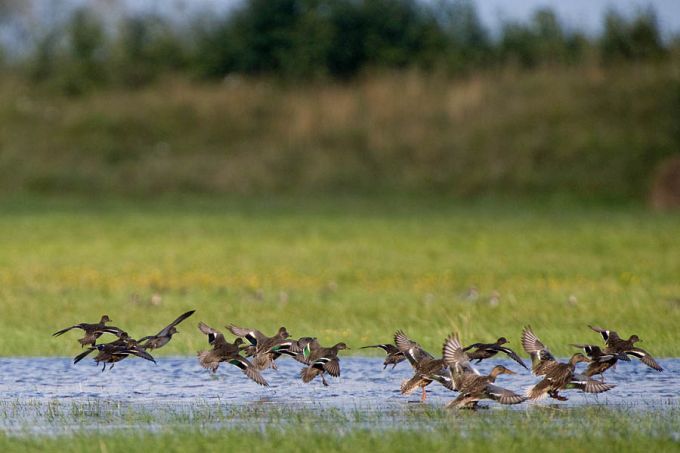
252	352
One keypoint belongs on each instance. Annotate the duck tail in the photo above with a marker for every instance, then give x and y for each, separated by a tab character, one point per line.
309	373
409	385
538	391
207	361
262	361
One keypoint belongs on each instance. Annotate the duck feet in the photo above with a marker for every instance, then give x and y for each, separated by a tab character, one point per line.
323	379
554	394
424	395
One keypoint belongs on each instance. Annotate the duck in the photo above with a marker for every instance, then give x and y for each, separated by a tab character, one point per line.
426	368
556	375
165	335
601	360
472	386
115	351
265	349
394	355
223	351
320	360
617	344
92	331
484	351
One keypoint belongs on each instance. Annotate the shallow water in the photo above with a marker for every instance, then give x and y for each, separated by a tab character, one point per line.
51	395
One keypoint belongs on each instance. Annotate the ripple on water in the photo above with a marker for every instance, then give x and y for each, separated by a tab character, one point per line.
180	384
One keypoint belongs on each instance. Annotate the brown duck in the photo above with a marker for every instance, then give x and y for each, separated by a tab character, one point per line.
223	351
320	360
426	367
164	336
115	351
472	386
600	361
484	351
556	375
266	349
92	331
617	344
394	355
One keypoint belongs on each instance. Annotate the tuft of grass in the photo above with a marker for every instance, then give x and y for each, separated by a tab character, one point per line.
342	269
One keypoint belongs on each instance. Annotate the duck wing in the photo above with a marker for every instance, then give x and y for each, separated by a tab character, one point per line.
513	355
82	355
181	318
411	350
457	361
332	366
248	370
389	348
254	336
582	382
536	349
215	337
644	357
139	353
609	336
63	331
503	396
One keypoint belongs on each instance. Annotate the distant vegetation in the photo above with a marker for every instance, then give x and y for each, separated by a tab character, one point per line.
340	96
303	39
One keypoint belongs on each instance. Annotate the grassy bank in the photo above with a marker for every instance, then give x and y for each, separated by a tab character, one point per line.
339	268
584	130
577	430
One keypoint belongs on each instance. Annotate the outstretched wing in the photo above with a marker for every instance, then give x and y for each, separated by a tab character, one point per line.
252	335
215	337
82	355
387	347
456	358
248	370
534	347
181	318
474	345
332	367
504	396
63	331
579	381
512	355
607	335
645	357
411	350
140	353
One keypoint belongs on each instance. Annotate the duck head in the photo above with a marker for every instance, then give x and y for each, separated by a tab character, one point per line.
578	357
500	369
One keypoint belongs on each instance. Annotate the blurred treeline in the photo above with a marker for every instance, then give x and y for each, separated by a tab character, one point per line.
303	39
378	96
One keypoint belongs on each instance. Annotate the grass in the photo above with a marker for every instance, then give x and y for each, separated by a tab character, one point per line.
216	428
343	269
582	130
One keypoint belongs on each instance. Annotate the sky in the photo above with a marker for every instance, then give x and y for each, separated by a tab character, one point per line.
580	15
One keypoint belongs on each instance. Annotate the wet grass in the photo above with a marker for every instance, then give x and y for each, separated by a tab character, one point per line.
212	428
343	269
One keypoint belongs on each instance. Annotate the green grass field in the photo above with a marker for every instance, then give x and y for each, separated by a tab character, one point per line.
578	430
342	269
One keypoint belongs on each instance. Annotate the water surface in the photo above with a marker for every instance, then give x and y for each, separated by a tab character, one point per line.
50	395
